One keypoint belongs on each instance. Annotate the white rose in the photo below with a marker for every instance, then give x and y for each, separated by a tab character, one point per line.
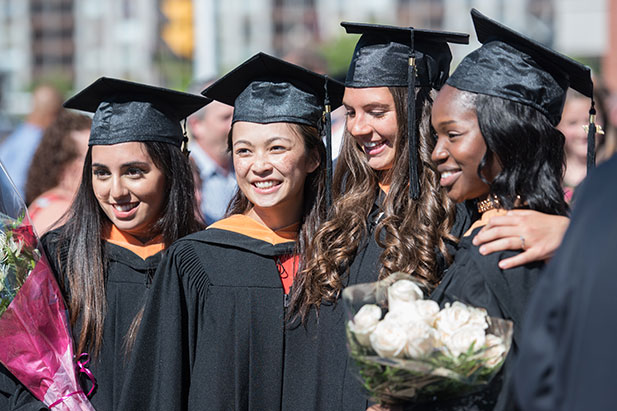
421	347
460	341
402	293
452	317
420	339
427	310
405	314
479	317
495	350
364	323
389	339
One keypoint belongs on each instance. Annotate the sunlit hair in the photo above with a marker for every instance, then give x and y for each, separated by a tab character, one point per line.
410	232
529	150
314	207
80	246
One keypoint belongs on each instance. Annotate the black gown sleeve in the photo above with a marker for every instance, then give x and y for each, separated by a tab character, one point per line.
158	375
568	359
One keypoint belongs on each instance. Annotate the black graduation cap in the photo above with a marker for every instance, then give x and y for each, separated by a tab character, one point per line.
265	89
512	66
387	56
125	111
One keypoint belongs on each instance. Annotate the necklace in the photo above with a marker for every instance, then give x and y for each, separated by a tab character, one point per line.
488	204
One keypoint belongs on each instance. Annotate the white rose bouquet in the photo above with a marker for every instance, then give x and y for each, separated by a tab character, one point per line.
407	348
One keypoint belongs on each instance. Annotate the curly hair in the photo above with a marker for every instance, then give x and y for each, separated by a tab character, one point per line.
410	232
55	151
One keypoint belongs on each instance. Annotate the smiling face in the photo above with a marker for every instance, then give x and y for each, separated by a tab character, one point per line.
372	122
271	164
460	146
128	186
574	117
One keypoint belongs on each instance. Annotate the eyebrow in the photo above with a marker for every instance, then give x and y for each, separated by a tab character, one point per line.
371	106
125	165
268	141
446	123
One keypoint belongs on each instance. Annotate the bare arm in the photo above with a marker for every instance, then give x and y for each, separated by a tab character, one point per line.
538	234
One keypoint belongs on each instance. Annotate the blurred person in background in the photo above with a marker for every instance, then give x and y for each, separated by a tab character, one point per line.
209	128
55	172
17	150
573	125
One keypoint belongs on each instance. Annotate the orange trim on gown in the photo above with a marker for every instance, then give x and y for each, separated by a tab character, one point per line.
125	240
245	225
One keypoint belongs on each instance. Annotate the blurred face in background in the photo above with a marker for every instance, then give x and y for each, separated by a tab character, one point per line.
573	119
210	129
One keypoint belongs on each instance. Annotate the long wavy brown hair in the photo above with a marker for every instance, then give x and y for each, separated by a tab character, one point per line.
410	232
314	205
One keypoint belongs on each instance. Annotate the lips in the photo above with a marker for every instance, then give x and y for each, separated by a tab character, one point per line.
125	210
448	177
374	147
266	185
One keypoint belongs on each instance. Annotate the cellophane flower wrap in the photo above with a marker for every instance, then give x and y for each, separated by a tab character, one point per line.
408	349
35	338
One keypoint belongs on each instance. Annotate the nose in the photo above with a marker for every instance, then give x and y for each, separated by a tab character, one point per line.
439	153
261	164
118	189
358	126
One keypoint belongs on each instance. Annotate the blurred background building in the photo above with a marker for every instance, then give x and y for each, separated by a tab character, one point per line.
70	43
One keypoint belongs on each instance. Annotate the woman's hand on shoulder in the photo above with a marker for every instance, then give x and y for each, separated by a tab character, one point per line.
537	234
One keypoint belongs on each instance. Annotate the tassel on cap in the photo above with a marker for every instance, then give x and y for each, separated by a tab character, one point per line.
327	119
591	137
185	140
414	180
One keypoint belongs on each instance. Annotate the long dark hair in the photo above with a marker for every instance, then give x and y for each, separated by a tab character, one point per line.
530	151
314	205
414	230
81	238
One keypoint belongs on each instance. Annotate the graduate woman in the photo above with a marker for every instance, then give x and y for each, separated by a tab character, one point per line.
389	213
213	334
134	200
497	145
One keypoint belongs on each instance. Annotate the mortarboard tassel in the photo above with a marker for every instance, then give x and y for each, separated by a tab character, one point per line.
185	140
327	119
591	137
414	183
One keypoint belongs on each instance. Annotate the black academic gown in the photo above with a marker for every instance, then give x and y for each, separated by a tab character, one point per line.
128	277
478	281
568	359
324	375
213	335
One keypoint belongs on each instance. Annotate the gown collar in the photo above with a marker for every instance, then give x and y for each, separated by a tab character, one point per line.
113	235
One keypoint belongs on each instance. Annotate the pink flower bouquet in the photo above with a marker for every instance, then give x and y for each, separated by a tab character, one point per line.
35	335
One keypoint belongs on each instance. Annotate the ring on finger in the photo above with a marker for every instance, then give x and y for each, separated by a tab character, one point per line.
522	242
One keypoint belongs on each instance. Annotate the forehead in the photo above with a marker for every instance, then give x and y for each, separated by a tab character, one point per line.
451	101
121	153
368	95
256	132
